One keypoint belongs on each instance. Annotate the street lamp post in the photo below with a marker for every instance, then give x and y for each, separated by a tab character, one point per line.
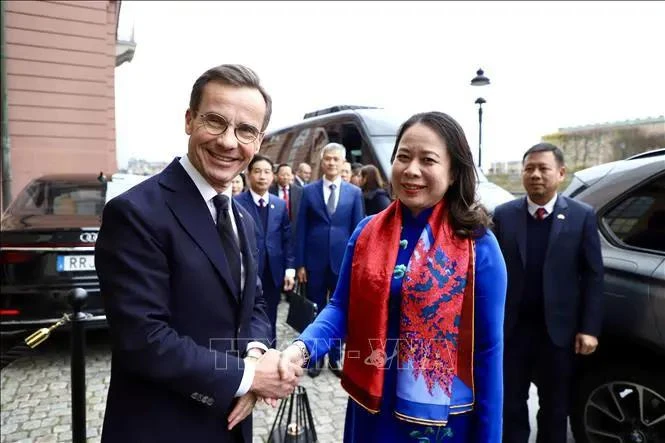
480	80
480	101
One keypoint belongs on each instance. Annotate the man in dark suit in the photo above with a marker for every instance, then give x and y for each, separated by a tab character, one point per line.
303	174
554	301
273	236
176	261
329	212
285	189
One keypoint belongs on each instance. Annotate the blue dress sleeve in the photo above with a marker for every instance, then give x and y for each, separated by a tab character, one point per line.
330	324
490	298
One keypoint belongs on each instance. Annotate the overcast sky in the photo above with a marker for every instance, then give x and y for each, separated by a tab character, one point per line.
551	64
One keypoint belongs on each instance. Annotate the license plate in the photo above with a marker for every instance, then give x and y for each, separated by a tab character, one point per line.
74	263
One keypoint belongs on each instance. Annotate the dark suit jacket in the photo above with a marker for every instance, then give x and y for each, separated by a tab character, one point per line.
321	239
376	201
178	323
573	268
295	196
276	240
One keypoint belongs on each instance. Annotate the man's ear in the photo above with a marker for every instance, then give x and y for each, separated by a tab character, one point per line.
189	121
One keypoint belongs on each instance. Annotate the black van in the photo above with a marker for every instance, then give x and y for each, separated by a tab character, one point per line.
367	133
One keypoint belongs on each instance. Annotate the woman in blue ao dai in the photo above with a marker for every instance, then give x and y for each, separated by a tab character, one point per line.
420	302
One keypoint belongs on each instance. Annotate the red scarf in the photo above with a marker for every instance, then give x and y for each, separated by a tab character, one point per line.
373	265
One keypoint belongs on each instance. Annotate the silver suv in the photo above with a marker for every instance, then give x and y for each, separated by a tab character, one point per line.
620	394
367	133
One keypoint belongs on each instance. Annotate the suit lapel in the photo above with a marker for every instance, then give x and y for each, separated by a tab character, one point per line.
558	215
193	214
521	213
323	207
248	261
341	199
250	206
272	216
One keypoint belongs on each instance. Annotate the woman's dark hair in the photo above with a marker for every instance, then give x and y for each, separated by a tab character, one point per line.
467	216
373	180
244	180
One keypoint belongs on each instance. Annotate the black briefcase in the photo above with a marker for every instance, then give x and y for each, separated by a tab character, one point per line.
302	311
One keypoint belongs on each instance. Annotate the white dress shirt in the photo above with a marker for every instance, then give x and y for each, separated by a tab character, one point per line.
208	193
326	190
280	192
533	207
291	272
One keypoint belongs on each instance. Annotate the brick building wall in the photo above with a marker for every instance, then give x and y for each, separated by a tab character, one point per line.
60	60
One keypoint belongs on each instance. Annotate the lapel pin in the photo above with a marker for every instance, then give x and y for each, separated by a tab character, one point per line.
240	214
272	206
561	217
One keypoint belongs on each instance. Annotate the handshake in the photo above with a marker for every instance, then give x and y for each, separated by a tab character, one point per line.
276	375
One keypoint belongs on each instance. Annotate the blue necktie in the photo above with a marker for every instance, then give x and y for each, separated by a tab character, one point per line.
263	213
331	200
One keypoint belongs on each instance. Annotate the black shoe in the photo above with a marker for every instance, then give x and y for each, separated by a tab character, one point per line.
336	367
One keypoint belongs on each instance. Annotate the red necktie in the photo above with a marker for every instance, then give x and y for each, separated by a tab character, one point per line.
286	199
541	213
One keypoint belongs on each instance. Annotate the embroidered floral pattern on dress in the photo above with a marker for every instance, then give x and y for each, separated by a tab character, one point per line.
432	332
399	271
431	434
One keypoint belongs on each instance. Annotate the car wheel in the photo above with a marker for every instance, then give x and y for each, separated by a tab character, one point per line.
619	405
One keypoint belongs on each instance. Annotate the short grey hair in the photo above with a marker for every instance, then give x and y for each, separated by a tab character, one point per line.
334	147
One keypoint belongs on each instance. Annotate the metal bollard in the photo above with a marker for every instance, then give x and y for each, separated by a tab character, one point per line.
77	298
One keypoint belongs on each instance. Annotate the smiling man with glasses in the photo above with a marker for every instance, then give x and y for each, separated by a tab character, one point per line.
177	265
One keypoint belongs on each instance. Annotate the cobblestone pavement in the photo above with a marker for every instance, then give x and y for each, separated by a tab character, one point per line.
35	398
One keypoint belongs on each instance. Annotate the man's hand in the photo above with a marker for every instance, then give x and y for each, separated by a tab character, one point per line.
267	381
585	344
242	409
291	357
302	275
289	282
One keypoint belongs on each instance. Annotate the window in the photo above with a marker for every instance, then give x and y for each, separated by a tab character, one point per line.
272	146
639	219
60	198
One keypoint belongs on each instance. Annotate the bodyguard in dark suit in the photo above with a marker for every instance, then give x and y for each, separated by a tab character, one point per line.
554	300
273	236
329	212
177	264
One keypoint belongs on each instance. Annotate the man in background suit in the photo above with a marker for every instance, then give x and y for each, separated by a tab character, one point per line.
290	193
303	174
329	212
273	236
554	301
177	267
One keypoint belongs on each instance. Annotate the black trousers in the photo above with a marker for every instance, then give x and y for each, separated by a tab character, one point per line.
530	355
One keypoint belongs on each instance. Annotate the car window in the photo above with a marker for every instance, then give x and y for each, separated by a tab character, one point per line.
639	219
59	198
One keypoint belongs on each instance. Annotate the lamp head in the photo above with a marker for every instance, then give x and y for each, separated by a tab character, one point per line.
480	79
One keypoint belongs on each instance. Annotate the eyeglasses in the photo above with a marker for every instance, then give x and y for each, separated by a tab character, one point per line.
217	125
